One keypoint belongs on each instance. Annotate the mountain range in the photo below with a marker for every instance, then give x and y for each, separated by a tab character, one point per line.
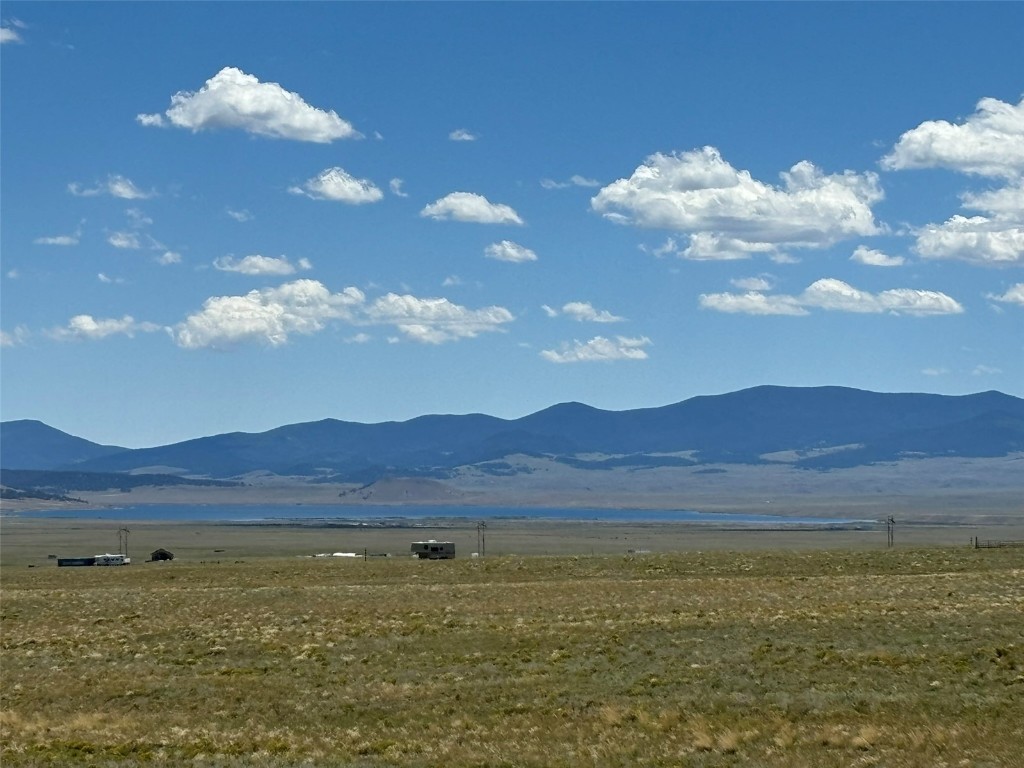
814	428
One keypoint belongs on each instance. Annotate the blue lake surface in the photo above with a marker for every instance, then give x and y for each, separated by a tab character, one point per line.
412	514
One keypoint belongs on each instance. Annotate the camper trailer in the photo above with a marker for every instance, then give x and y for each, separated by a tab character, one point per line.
112	560
434	550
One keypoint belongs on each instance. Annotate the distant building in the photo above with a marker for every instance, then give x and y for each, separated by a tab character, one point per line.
434	550
161	554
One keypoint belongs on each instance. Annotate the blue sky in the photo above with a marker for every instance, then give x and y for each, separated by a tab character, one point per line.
233	216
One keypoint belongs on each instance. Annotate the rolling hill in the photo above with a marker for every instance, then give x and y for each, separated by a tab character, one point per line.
29	444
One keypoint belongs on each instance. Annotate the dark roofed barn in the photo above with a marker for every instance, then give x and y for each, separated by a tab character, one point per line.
161	554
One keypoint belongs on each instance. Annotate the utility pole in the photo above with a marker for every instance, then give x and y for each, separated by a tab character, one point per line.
122	541
890	530
481	538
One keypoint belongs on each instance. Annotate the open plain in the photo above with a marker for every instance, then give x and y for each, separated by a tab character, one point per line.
700	647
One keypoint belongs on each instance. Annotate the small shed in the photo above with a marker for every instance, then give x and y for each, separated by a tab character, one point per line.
160	554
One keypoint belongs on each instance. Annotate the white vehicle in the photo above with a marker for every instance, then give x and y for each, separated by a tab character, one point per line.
434	550
109	559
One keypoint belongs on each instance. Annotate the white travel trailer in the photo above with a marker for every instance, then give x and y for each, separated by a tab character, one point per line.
112	560
434	550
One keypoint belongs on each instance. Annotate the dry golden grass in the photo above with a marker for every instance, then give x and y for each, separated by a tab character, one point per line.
894	658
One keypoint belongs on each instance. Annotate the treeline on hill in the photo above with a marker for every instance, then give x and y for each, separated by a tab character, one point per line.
14	494
52	485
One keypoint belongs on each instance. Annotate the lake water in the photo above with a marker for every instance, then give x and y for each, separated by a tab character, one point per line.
411	514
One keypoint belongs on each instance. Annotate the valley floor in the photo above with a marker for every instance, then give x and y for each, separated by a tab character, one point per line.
35	542
901	657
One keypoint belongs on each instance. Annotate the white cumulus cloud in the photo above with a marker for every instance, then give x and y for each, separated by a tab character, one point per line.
1005	203
706	246
830	293
994	238
435	320
507	250
461	134
337	184
260	265
234	99
729	214
1014	295
988	143
751	303
584	311
268	316
835	295
599	349
976	240
471	207
873	258
272	315
89	328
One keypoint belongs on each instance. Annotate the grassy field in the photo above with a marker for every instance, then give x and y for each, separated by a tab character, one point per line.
851	657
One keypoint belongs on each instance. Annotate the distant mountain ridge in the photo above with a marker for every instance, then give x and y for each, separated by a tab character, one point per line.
819	428
30	444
